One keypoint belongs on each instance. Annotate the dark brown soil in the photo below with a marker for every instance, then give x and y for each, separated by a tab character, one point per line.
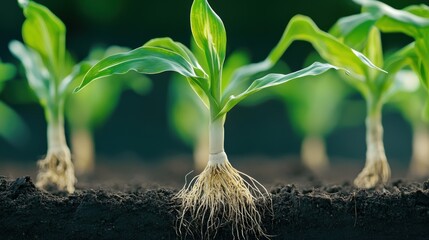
398	211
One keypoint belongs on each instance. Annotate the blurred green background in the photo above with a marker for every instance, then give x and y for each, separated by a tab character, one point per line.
139	126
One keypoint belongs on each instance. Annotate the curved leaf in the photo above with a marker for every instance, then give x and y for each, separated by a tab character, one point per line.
12	127
209	32
45	33
393	20
210	35
180	49
331	49
272	80
39	78
7	71
353	30
147	60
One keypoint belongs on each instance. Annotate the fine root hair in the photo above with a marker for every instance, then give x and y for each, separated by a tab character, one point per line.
56	169
218	197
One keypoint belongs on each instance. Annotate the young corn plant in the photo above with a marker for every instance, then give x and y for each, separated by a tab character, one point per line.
50	72
189	117
362	31
91	108
219	194
12	127
314	108
410	102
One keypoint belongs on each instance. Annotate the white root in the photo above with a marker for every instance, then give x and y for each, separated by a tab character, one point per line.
220	196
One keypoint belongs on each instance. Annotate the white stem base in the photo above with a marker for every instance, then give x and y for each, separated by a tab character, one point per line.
376	171
419	167
57	169
83	151
313	154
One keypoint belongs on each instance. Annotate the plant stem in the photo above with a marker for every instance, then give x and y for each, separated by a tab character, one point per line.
82	143
420	159
56	133
57	167
376	170
313	154
216	142
374	135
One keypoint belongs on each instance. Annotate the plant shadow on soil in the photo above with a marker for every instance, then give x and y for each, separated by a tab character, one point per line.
115	203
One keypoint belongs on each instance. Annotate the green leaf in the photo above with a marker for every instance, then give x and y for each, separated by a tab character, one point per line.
272	80
209	33
210	36
12	127
38	76
353	30
394	20
147	60
7	72
77	73
330	48
45	33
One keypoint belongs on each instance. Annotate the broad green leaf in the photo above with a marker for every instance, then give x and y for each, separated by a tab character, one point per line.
180	49
45	33
200	85
67	85
91	108
12	127
419	10
272	80
394	20
38	76
332	50
209	32
147	60
374	49
353	30
210	35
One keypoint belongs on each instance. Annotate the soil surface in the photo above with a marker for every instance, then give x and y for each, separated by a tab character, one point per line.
133	210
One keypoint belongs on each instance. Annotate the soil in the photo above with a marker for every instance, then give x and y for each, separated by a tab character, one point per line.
310	209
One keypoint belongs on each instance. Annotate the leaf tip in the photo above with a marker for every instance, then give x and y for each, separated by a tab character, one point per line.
77	89
23	3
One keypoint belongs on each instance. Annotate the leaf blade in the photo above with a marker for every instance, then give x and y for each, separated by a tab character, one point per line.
272	80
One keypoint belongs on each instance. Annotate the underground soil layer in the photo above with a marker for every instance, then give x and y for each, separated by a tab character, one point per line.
397	211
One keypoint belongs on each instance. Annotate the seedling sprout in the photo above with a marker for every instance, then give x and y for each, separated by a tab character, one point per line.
362	31
219	194
50	72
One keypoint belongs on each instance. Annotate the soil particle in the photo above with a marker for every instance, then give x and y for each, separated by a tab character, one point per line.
397	211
